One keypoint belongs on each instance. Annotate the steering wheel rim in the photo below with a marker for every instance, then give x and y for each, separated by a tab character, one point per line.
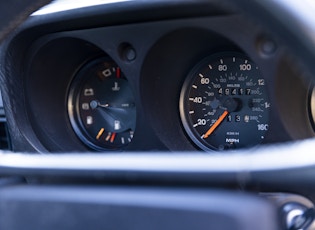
14	12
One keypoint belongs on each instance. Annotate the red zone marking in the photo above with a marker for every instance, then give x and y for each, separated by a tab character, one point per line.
118	72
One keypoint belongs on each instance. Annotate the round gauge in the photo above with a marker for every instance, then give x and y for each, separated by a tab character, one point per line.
101	106
224	103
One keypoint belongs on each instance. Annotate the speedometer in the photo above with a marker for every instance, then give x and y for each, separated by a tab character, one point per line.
224	103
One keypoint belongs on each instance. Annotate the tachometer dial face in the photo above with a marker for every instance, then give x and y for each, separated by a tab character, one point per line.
224	103
101	106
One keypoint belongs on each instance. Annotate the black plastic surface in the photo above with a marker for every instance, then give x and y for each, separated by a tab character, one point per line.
74	207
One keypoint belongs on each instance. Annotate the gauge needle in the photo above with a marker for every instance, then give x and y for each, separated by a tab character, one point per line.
216	124
100	133
112	138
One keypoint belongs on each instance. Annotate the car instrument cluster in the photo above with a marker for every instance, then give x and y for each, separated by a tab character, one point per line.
211	84
223	104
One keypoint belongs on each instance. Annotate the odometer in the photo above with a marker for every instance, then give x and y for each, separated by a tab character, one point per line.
224	103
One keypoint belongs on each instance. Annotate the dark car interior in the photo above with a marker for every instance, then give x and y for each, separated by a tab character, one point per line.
157	114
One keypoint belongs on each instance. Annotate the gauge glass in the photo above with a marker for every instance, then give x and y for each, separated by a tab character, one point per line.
224	103
101	106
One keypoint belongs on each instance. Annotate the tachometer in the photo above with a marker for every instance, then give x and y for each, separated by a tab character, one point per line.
224	103
101	106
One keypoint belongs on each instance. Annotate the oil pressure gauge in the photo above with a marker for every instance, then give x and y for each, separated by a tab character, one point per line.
224	103
101	106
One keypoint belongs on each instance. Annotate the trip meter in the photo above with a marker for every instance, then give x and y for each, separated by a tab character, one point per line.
224	103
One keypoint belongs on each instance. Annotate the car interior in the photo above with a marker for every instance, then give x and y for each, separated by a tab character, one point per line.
139	114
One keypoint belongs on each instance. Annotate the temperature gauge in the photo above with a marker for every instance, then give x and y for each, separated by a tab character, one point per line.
101	106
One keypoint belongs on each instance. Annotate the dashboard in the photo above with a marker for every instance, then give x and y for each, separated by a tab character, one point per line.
184	114
92	85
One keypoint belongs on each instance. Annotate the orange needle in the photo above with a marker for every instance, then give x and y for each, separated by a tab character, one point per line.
216	124
100	133
112	137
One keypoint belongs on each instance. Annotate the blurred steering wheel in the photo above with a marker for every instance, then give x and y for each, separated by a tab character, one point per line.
14	12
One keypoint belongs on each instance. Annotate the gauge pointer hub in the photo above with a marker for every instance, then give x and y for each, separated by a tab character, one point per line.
232	104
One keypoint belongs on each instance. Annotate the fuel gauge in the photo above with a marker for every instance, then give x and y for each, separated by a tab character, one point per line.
101	106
